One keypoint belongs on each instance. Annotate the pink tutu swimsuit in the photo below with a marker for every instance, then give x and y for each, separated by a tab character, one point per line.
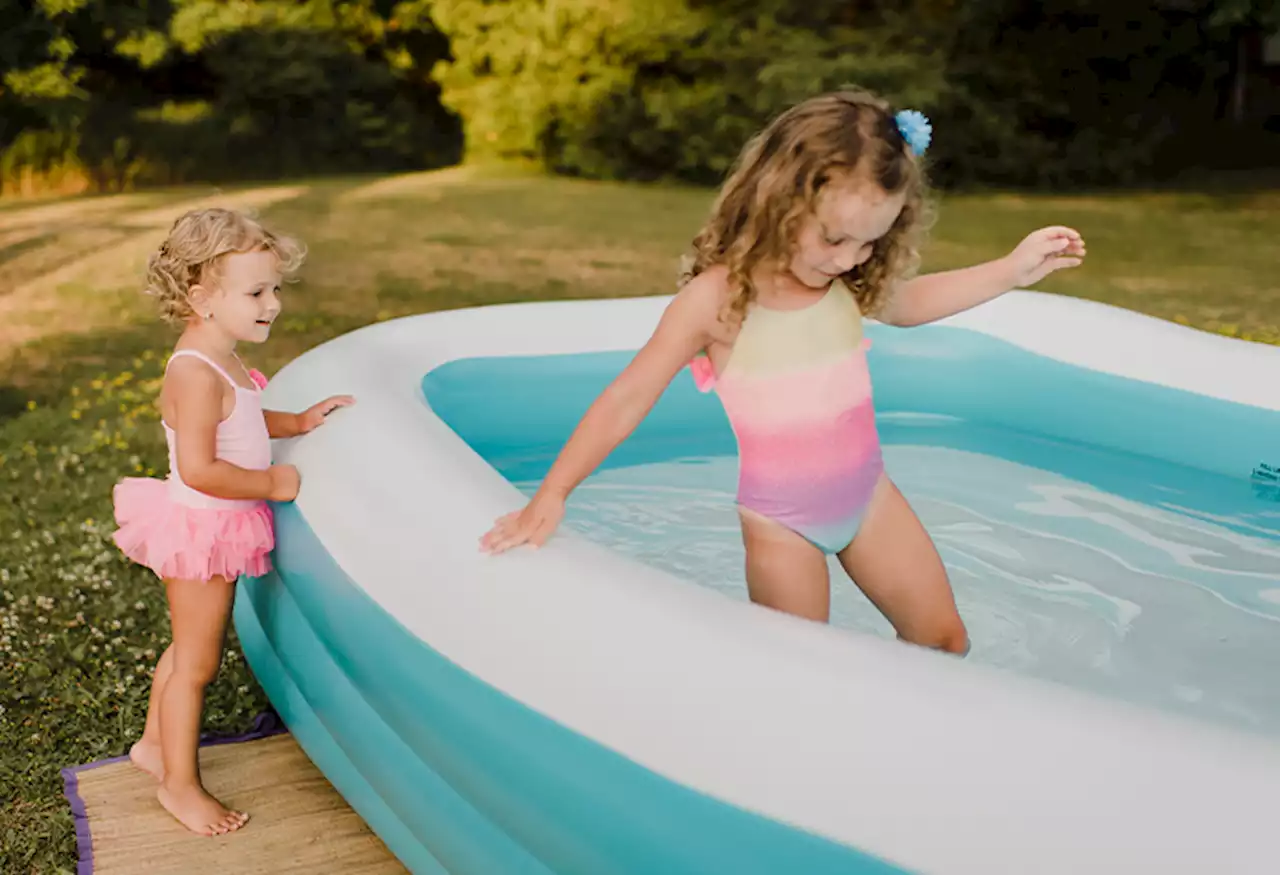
182	533
797	394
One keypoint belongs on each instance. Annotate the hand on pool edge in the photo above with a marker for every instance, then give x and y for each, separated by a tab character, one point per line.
533	524
314	416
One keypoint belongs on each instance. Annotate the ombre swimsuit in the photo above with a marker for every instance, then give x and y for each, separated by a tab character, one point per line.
797	394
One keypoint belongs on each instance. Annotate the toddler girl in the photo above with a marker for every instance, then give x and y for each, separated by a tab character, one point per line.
218	276
818	224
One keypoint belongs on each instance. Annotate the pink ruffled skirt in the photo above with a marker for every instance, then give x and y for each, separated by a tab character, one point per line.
180	542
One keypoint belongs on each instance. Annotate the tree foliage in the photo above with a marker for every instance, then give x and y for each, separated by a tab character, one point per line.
123	92
1022	92
1026	92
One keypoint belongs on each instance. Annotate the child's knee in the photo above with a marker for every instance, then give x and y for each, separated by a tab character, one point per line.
957	642
954	638
196	673
951	637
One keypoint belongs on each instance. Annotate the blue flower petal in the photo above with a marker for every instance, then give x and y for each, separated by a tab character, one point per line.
916	129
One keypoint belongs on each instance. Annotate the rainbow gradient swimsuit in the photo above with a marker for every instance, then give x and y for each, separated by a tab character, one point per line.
797	394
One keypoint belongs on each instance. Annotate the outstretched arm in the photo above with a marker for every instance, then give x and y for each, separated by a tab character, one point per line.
685	328
939	295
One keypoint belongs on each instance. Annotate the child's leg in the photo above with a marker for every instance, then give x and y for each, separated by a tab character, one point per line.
146	753
199	612
785	571
894	561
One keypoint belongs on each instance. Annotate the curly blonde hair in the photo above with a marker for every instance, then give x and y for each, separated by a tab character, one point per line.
195	248
775	182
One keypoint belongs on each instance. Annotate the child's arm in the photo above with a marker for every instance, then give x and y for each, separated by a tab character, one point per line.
685	328
281	424
197	410
939	295
288	425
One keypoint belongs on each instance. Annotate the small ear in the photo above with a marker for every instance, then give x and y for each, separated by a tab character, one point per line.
199	297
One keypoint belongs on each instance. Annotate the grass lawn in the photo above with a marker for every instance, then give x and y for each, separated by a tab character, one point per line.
81	357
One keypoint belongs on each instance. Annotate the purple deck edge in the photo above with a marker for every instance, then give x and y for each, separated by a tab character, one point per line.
266	724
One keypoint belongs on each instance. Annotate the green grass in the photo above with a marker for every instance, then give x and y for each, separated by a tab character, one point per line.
81	354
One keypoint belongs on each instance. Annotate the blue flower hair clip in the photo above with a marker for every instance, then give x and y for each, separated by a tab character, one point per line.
915	129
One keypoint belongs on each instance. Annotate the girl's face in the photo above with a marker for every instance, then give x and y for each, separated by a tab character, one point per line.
849	217
246	299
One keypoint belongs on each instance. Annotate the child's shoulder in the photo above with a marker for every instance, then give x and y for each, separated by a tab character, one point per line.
709	290
188	373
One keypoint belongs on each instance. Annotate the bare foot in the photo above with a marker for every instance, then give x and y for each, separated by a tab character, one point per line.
146	756
199	812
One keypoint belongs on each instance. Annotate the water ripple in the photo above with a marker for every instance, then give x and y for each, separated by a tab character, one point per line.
1163	604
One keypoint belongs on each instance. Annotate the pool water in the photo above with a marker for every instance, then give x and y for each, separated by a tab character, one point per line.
1144	565
1054	578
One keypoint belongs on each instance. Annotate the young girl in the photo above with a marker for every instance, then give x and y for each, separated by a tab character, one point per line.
217	276
817	225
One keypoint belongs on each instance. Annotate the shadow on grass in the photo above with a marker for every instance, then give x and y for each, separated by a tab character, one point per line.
43	370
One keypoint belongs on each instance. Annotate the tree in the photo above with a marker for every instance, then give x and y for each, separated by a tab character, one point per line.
119	93
652	88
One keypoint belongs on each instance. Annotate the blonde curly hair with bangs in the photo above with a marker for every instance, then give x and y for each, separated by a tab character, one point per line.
193	252
775	183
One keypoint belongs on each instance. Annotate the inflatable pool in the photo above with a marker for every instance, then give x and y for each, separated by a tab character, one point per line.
597	706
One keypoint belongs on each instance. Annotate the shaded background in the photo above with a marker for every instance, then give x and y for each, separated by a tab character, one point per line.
103	95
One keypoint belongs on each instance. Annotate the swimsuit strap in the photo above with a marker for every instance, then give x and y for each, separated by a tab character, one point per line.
208	361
